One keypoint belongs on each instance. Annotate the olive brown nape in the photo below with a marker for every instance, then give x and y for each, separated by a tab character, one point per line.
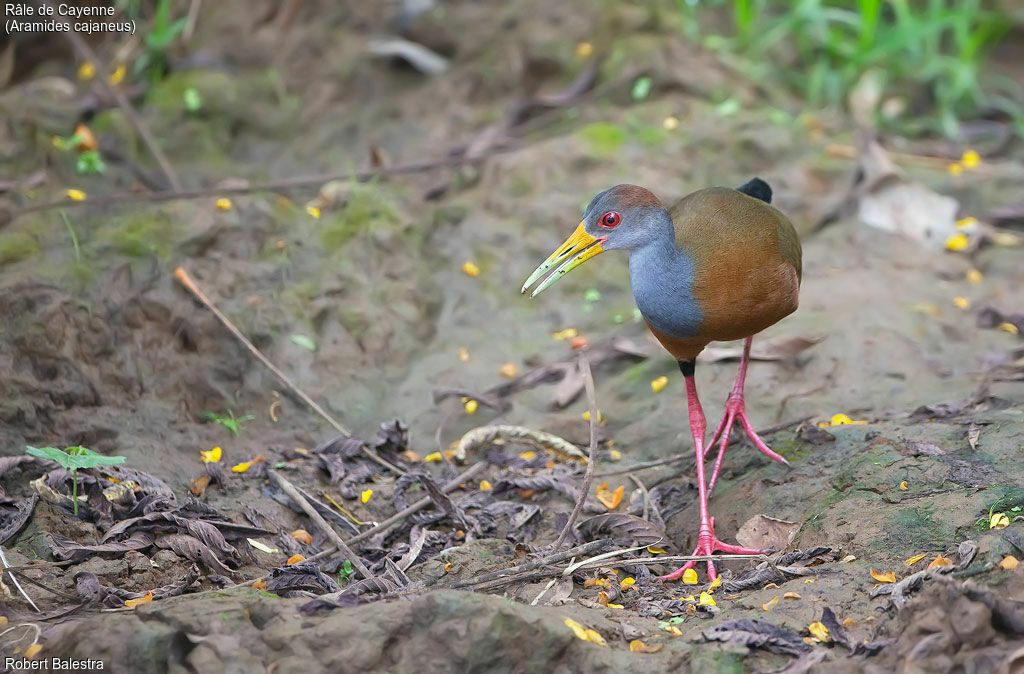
740	263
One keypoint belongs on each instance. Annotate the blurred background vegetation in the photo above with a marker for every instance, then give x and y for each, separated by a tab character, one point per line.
913	66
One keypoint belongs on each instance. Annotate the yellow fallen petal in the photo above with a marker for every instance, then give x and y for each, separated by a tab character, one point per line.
627	582
600	416
1010	328
974	276
659	383
888	577
791	595
842	420
585	633
848	558
914	560
957	242
940	561
811	580
670	123
707	599
485	485
32	651
295	559
584	49
971	159
849	622
690	577
966	223
715	583
674	631
637	646
241	467
615	455
615	606
508	370
956	168
610	498
366	495
819	632
223	204
118	74
961	302
463	354
430	458
1009	563
470	269
75	195
904	486
302	536
527	455
568	333
471	406
132	603
313	212
656	551
771	586
210	456
689	597
261	547
998	521
86	71
770	604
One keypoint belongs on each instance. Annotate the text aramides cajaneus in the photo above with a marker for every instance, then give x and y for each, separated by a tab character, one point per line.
718	265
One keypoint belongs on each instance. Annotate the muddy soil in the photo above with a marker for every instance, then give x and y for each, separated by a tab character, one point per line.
101	347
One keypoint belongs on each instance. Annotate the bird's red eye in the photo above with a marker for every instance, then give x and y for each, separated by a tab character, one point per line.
610	219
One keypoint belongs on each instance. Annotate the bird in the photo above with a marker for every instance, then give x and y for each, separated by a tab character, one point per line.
720	264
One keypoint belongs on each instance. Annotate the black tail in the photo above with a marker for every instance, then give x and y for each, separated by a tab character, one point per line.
757	188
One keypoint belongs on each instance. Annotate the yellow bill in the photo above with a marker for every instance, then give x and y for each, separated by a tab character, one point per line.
576	250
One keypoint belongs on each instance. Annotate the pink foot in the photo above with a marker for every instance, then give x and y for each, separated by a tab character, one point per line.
734	409
708	544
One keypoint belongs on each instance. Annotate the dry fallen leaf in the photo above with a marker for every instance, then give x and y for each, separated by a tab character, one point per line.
889	577
199	484
295	559
773	348
259	585
1009	563
132	603
762	533
32	651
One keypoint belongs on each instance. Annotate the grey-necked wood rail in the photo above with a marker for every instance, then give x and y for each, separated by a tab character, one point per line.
720	264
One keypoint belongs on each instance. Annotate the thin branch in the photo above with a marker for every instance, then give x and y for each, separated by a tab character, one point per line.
3	558
184	279
85	53
319	521
588	477
689	455
272	186
547	560
475	470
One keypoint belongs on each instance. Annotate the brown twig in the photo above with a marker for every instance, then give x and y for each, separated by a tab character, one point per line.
319	521
588	477
554	558
184	279
85	53
682	457
272	186
475	470
647	496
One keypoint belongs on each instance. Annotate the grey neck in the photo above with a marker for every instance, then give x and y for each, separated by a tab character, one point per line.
662	279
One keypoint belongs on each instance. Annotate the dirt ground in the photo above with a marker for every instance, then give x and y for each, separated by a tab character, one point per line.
101	347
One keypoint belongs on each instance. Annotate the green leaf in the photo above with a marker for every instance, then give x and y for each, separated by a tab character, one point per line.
304	341
641	88
51	453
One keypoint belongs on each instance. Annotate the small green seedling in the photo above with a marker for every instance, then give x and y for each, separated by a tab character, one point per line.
230	422
345	572
73	459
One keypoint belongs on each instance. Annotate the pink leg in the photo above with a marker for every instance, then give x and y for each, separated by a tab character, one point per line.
735	409
707	543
